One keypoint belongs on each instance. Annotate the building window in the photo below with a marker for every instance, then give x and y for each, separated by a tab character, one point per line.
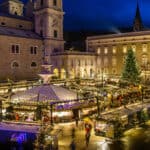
20	26
105	61
15	64
114	61
144	48
16	13
105	50
15	49
144	59
55	34
124	49
133	48
33	64
33	50
98	50
42	2
3	23
55	2
114	50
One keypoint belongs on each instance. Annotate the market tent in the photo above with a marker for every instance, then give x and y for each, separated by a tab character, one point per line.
44	93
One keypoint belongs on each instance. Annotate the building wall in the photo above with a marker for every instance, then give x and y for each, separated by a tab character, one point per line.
24	58
111	51
74	64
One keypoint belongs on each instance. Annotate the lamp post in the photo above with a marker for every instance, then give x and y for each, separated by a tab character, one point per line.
142	96
98	108
51	113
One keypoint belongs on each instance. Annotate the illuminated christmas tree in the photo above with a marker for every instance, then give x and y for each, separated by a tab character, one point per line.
131	71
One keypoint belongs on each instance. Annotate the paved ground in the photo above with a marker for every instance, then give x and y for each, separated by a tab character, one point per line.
65	137
95	141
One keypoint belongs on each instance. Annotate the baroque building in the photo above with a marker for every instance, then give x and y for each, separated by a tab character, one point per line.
32	34
105	54
28	38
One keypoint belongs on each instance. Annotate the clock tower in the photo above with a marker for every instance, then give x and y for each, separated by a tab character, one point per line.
49	25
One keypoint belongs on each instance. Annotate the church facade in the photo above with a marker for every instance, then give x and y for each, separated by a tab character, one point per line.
30	38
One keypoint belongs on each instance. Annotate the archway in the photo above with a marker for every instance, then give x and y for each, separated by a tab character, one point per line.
63	74
91	73
72	74
56	72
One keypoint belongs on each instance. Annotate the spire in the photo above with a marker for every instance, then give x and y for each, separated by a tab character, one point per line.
138	25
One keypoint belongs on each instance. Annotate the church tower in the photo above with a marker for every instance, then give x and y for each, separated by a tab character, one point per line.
49	25
14	7
138	25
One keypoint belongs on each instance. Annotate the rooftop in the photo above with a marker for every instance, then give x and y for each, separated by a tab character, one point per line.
18	33
128	34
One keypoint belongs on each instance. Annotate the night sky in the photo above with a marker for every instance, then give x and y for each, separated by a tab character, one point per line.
103	14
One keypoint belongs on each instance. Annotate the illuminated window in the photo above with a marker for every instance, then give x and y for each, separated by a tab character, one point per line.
124	49
114	61
105	61
144	48
133	48
114	50
98	50
144	59
105	50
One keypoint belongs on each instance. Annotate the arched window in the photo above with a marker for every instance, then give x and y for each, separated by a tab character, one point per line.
15	64
33	64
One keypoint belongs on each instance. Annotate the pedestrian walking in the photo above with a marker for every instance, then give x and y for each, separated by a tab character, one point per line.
87	138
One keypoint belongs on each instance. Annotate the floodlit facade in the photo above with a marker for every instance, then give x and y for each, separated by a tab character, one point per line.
29	38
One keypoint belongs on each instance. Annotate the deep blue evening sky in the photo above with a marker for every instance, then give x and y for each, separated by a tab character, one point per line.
103	14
